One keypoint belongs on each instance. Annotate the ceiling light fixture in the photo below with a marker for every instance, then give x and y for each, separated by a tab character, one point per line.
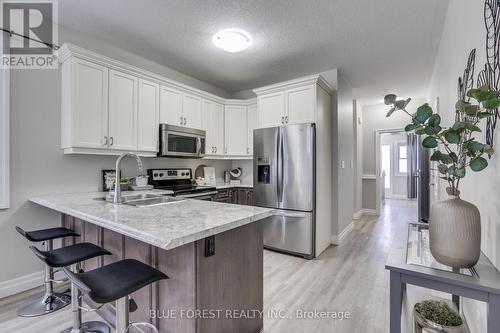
232	40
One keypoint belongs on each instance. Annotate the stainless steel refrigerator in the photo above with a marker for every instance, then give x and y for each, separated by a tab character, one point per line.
285	179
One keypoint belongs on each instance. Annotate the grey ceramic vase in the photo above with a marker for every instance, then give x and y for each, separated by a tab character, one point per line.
455	232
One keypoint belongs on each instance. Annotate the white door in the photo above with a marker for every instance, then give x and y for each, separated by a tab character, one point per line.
207	125
252	118
236	128
300	105
90	104
218	128
271	109
148	110
122	111
191	111
170	106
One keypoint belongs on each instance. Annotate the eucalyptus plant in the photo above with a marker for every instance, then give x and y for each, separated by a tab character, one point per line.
456	148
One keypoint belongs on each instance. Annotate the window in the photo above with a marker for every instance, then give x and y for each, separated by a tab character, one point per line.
4	130
402	158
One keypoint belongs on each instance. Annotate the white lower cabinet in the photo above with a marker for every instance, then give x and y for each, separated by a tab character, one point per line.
122	111
236	127
148	110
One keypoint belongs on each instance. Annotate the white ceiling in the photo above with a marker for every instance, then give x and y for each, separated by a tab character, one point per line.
376	44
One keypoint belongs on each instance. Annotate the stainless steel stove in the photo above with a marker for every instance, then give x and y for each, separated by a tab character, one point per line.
180	181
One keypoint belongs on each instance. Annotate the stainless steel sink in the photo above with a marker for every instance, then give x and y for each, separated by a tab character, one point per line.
143	199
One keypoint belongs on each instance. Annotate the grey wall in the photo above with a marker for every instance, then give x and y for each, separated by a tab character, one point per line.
343	133
479	188
374	118
37	164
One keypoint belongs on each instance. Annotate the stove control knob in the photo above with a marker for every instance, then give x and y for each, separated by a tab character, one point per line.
161	174
183	174
155	175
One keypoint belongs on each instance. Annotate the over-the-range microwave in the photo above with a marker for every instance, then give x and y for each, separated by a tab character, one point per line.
177	141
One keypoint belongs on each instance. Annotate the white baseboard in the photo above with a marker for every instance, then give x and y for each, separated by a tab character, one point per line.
357	215
369	212
26	282
22	283
337	239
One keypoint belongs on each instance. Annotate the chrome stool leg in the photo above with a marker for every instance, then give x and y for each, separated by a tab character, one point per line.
50	301
123	323
76	308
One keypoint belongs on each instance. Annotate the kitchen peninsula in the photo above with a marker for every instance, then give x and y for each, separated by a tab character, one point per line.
212	253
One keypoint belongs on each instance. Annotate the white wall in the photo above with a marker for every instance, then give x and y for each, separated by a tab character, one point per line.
457	41
358	158
374	118
38	166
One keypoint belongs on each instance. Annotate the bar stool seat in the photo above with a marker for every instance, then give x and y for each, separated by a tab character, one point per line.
69	255
115	282
46	234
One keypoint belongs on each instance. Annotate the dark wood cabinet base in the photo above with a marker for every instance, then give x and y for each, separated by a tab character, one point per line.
203	294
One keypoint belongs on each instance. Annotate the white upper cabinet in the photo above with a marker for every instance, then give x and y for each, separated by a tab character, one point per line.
271	109
148	108
85	105
236	127
191	111
122	111
171	106
301	103
213	124
218	128
253	123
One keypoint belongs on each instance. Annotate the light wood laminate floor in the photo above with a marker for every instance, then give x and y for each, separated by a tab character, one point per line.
346	278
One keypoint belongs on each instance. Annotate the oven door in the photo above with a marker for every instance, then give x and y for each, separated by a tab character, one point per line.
182	143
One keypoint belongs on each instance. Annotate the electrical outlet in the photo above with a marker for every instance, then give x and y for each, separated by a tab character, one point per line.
210	246
342	164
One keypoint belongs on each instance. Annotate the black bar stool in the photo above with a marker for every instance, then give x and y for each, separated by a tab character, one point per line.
50	301
115	282
73	255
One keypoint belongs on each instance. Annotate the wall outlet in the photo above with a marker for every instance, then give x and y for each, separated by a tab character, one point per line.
210	246
342	164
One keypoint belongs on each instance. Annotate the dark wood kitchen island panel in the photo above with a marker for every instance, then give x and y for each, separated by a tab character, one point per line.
205	294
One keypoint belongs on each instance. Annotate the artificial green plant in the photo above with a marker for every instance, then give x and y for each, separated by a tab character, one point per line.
456	148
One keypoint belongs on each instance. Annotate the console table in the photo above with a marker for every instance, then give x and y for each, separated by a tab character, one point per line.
410	262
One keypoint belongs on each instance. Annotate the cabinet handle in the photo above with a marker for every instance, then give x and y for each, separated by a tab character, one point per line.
111	141
225	150
248	150
282	119
286	119
185	121
105	140
181	120
216	150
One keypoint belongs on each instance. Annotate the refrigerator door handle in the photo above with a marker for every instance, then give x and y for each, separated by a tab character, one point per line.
280	166
286	214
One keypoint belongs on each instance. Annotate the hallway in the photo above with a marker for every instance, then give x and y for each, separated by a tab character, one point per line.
347	278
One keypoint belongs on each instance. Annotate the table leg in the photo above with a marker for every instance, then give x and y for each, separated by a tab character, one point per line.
396	301
493	311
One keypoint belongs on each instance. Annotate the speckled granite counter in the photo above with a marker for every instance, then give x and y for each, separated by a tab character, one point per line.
221	186
165	226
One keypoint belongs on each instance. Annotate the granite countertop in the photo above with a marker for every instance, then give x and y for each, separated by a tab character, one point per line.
166	226
221	186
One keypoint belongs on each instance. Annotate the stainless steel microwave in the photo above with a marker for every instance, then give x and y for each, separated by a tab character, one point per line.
177	141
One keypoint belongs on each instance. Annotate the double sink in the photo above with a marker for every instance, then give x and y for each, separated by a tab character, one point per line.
143	199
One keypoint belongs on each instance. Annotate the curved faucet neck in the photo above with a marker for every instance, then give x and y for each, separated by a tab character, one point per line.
117	198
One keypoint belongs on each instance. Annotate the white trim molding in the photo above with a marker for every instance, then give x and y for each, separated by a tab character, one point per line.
4	132
22	283
336	240
369	212
357	215
373	177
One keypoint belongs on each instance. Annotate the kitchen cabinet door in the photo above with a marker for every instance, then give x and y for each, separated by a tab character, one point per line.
233	195
271	109
207	120
218	128
250	197
253	121
122	111
148	109
191	111
90	105
235	130
300	105
242	196
170	106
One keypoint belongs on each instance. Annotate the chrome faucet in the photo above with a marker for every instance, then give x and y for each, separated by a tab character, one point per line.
118	192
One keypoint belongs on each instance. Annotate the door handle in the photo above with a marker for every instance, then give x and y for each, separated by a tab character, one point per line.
279	187
198	145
